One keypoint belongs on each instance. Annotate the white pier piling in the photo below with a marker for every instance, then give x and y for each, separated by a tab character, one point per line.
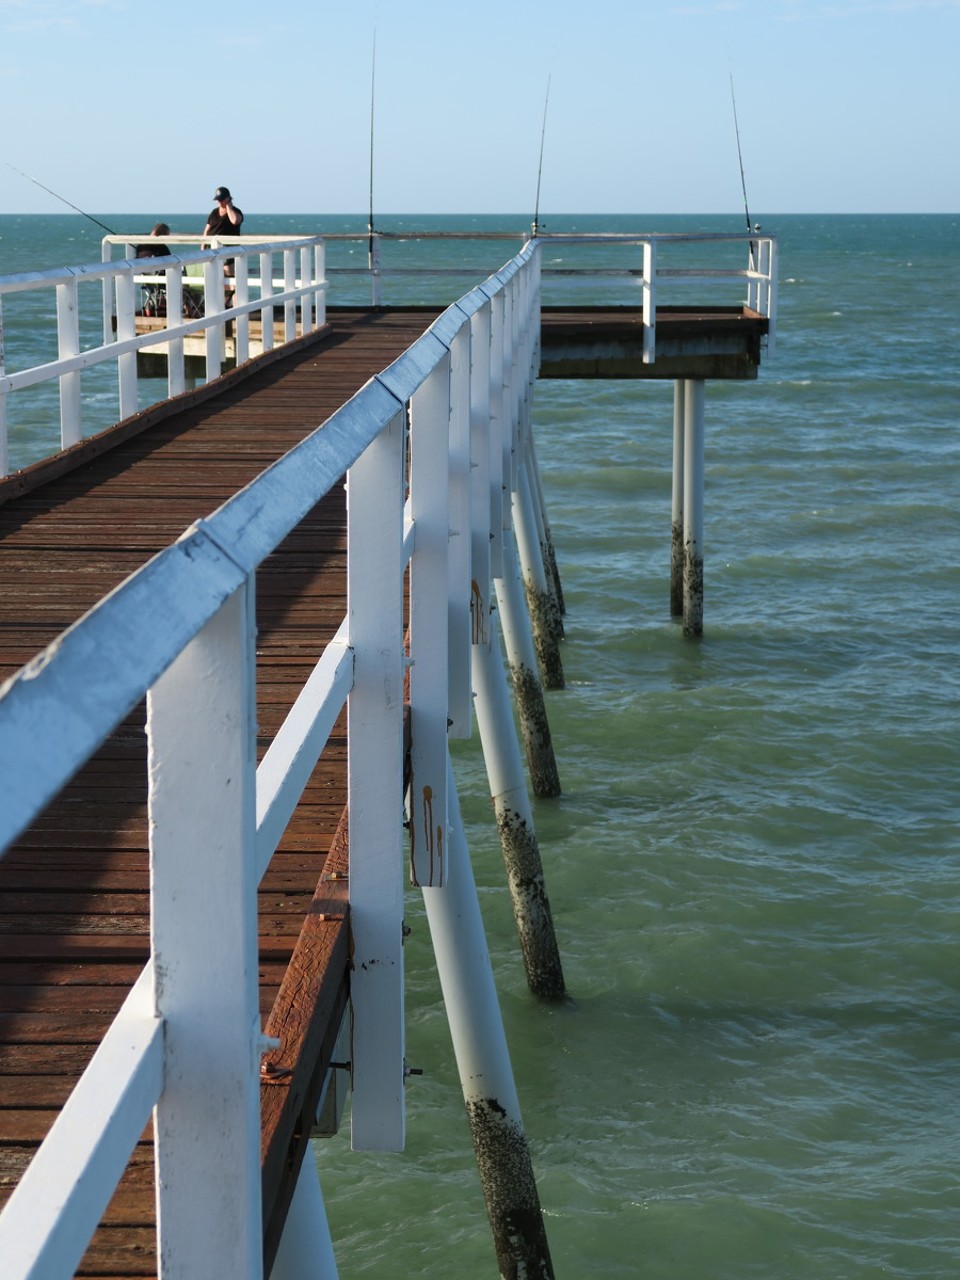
693	452
537	502
486	1076
518	837
541	600
525	676
676	520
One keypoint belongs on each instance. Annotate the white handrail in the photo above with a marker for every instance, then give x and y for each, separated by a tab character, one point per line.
180	631
304	288
304	281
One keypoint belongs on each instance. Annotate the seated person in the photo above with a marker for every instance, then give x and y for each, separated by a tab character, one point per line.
154	295
154	250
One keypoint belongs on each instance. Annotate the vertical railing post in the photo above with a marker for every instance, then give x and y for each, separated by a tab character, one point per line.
126	330
201	725
241	295
306	299
106	293
499	428
511	389
266	311
289	284
649	301
459	701
68	344
213	304
771	301
484	488
480	481
375	788
429	637
693	458
176	374
320	275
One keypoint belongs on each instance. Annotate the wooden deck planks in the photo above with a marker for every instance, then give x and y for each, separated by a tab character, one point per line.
73	892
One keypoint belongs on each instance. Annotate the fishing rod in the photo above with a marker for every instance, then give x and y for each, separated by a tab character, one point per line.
373	86
743	180
543	134
62	199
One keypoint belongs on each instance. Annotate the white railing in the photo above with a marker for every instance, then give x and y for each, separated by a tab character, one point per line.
415	444
622	268
613	257
758	277
193	306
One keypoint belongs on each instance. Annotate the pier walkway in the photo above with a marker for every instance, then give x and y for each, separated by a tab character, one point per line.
82	906
74	913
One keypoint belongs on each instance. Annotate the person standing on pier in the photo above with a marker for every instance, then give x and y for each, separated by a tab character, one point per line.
224	220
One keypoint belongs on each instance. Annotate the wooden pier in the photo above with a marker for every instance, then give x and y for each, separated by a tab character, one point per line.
73	892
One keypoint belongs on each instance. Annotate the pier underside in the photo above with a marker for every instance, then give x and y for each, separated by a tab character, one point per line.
607	342
576	342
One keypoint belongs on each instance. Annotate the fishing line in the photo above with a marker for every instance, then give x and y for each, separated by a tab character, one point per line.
743	180
62	199
543	134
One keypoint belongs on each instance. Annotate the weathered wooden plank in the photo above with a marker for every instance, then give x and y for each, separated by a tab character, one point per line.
305	1019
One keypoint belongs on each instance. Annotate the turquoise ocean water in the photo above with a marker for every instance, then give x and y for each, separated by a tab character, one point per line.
754	864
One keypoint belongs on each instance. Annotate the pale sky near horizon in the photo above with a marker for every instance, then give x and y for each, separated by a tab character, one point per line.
124	106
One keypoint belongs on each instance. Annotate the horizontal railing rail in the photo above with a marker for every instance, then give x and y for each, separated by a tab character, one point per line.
195	306
620	268
181	632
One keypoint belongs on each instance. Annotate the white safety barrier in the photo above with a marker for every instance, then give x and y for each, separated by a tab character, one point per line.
194	306
186	1044
292	272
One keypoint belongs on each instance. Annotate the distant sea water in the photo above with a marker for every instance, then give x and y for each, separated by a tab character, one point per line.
754	867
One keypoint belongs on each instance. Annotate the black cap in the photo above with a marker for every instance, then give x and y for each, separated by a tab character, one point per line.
221	193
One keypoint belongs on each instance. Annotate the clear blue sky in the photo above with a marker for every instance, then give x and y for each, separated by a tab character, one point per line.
133	107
